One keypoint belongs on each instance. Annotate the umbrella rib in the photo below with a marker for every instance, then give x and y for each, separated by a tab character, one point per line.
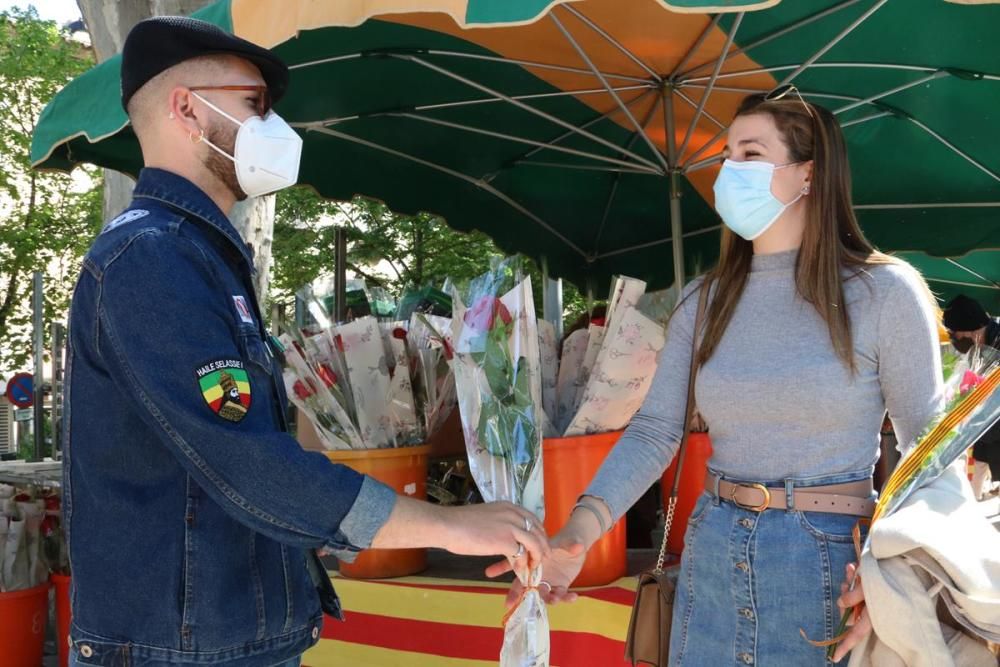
955	149
592	121
617	180
859	121
964	204
783	68
520	140
651	244
694	48
628	113
614	42
886	93
526	107
466	103
694	105
775	35
702	164
535	64
804	93
584	167
708	144
486	187
995	284
833	42
711	84
324	61
960	283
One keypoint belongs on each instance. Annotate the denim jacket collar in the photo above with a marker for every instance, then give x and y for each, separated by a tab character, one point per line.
182	194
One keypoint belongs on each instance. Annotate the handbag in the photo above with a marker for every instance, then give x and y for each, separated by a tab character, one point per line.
647	641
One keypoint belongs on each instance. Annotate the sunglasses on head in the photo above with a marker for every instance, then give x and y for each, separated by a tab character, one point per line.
780	93
263	103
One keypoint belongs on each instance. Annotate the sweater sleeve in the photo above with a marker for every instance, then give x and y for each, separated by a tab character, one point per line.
909	356
652	438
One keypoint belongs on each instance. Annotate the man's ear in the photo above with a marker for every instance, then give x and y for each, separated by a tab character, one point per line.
182	109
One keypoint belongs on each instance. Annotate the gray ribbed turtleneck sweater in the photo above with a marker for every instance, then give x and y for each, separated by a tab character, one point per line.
778	401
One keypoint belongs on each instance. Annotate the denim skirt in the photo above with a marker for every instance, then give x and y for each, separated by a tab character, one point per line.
750	581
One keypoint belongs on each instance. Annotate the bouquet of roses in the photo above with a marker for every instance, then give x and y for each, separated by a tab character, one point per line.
971	408
498	377
312	386
369	384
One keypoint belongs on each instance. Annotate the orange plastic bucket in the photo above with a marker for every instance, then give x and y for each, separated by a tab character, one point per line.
63	616
405	470
569	465
699	450
23	617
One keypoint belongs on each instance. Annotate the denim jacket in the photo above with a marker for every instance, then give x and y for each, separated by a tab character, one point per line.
192	515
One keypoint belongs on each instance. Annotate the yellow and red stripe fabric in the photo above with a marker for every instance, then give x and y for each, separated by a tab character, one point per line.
426	622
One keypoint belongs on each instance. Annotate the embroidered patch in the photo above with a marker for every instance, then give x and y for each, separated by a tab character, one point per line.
226	388
124	218
242	309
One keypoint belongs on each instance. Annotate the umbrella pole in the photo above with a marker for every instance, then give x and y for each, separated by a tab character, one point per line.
676	232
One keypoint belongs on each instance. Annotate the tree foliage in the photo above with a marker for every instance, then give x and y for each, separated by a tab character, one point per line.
386	249
47	220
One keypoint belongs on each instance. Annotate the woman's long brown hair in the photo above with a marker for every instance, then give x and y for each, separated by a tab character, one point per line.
832	241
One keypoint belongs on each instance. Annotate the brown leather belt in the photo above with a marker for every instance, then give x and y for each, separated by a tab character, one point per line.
854	498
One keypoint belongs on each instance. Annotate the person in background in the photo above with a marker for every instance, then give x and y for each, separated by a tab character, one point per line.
969	325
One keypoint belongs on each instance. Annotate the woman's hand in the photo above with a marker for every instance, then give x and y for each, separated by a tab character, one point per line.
558	571
860	627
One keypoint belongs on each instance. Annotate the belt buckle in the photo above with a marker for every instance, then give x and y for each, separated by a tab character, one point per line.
753	508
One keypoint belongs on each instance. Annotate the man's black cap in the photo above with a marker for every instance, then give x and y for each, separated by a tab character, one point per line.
159	43
965	314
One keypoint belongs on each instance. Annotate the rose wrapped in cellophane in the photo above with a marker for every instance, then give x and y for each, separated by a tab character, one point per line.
498	379
971	407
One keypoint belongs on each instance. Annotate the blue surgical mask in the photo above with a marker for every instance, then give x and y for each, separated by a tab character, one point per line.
744	200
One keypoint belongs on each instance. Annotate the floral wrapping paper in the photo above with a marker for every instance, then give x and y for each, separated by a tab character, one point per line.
498	376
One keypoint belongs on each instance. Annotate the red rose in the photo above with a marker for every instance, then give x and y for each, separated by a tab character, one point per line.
327	375
482	317
969	382
399	333
301	390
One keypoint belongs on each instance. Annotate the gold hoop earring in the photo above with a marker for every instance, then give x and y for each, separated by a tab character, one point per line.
201	136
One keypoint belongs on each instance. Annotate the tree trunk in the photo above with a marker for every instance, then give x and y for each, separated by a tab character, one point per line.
254	220
108	22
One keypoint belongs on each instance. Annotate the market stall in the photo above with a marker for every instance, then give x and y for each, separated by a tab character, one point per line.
592	146
447	622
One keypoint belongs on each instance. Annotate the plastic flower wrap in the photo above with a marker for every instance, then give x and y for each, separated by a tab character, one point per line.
606	370
429	338
312	388
971	408
498	378
367	384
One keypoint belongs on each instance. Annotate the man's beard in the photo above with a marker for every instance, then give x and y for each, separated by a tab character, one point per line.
220	166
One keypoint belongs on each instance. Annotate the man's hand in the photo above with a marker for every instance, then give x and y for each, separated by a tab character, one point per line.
847	600
558	571
491	529
494	529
